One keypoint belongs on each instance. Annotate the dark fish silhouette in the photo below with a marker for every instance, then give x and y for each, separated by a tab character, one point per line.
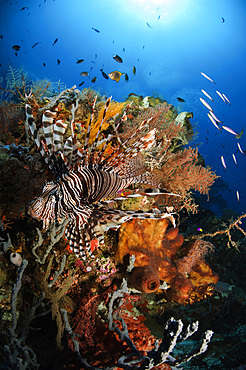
134	70
33	46
126	77
118	58
55	42
1	36
93	80
24	7
148	25
104	74
223	19
16	47
44	64
181	100
95	29
84	74
124	49
58	62
82	83
80	61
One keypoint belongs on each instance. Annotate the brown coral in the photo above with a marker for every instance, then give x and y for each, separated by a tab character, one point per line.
155	248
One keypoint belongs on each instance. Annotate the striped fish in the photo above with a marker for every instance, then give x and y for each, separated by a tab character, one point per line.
86	178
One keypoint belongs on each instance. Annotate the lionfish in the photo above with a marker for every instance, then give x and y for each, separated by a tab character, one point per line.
85	179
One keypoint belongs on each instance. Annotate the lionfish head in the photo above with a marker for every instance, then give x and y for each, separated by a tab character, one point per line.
45	206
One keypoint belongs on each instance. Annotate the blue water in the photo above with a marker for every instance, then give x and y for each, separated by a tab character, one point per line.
189	37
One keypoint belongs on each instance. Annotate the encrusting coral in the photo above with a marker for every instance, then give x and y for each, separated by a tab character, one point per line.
156	248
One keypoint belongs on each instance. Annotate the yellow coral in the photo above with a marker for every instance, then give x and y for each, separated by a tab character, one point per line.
114	109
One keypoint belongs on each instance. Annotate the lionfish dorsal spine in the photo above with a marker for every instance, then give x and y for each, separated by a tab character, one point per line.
58	134
47	121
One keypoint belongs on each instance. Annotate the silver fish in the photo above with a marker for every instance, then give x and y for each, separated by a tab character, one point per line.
221	96
214	122
226	99
235	159
240	148
223	162
206	104
238	196
214	116
207	95
208	78
228	129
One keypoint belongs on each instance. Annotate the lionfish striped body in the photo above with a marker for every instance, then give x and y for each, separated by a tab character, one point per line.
86	179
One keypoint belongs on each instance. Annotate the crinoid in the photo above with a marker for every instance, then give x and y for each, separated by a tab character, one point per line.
88	177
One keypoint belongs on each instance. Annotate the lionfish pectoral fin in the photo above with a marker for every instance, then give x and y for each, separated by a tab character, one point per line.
73	236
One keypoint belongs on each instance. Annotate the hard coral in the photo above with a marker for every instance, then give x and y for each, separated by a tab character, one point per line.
155	249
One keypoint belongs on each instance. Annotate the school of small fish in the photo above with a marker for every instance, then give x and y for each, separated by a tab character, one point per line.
215	121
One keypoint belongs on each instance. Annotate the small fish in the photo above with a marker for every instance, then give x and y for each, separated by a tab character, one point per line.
206	139
58	62
55	42
44	64
228	129
207	95
223	20
104	74
221	96
148	25
149	73
124	49
214	116
200	229
240	148
24	7
84	74
226	99
95	29
158	17
239	134
118	58
143	46
93	80
235	159
126	77
223	162
213	122
205	104
92	61
238	196
1	36
181	100
95	56
16	54
134	70
79	61
115	75
208	78
82	83
16	47
33	46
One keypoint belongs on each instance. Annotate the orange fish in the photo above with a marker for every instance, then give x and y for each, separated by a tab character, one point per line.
115	75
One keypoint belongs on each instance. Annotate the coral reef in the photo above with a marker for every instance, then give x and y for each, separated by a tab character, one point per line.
159	256
108	324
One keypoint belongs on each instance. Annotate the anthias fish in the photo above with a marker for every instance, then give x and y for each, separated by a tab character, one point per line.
84	73
240	148
86	178
208	78
214	122
207	95
221	96
93	80
80	61
235	159
181	100
238	196
205	104
228	129
223	162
